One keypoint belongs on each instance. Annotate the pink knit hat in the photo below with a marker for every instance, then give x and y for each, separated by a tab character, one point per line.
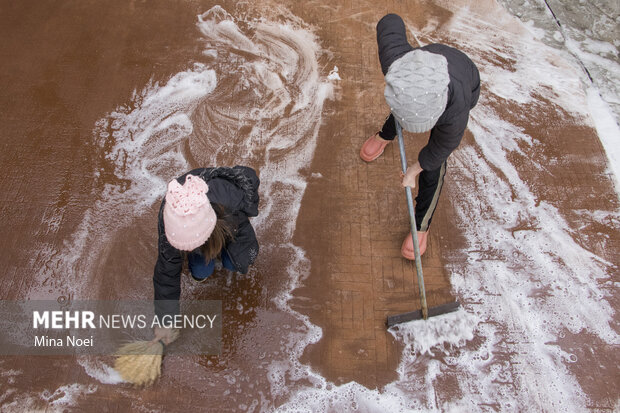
189	218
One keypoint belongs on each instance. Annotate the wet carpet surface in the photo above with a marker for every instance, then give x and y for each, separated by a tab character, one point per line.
66	66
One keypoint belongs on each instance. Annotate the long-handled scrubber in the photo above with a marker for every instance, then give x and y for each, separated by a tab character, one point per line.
425	312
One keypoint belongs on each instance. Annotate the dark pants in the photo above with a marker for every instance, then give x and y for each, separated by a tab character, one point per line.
388	131
429	183
202	269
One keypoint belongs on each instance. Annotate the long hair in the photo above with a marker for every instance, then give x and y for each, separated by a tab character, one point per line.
221	235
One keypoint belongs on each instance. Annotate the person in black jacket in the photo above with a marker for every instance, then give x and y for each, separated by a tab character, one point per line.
204	216
428	88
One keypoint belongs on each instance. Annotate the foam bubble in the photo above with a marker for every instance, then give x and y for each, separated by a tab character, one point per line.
608	132
99	370
67	395
425	336
333	74
57	400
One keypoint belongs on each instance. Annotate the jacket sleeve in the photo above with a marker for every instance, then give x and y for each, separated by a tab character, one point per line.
444	139
391	40
250	187
244	248
167	274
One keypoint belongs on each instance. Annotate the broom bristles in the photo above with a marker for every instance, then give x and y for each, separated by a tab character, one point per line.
139	362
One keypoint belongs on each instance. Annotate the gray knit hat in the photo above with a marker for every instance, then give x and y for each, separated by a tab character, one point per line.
417	89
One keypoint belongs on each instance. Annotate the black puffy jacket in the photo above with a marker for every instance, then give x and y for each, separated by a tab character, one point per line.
463	90
236	189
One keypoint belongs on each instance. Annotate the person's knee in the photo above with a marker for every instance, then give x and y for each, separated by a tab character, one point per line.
202	270
227	262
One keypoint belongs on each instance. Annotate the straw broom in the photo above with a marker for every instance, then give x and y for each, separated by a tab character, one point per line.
139	362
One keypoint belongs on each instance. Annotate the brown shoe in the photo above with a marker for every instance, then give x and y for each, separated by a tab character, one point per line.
407	249
373	148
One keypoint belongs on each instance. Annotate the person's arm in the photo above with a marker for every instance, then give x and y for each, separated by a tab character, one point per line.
444	139
250	187
408	179
167	275
243	250
167	280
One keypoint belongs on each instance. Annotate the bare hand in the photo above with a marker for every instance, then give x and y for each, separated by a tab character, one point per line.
408	178
165	335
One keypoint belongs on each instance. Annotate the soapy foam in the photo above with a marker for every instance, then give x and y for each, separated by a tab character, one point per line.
143	151
594	49
608	132
66	395
55	401
142	143
99	371
282	113
423	337
143	146
519	287
532	279
333	75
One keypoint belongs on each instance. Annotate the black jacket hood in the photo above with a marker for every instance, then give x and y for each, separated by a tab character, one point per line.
392	40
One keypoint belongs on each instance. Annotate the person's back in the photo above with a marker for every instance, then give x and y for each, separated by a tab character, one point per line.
464	87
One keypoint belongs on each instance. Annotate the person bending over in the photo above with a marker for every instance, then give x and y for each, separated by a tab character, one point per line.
427	88
203	218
